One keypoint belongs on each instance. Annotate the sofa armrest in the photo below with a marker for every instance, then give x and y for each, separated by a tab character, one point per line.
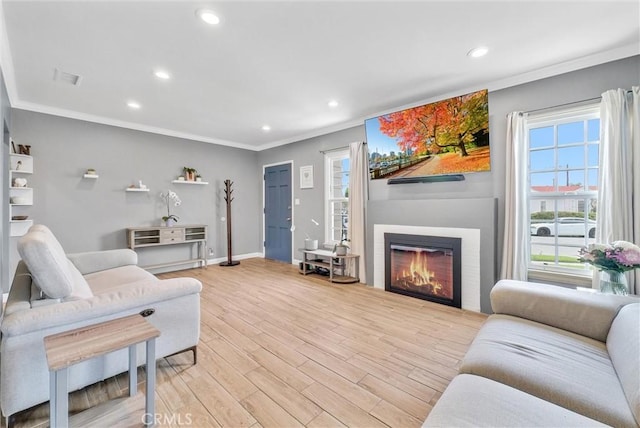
95	261
581	312
84	311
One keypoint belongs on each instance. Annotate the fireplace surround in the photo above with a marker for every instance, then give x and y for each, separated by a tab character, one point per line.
423	266
471	256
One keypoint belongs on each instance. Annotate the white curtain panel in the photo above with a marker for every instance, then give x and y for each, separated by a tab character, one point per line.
515	248
358	196
619	180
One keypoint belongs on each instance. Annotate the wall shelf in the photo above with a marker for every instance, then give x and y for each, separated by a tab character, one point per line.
189	182
136	189
90	176
19	197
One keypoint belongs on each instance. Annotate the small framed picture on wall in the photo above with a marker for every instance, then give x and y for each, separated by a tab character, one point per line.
306	177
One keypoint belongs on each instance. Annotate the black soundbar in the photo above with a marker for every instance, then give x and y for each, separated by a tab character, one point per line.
426	179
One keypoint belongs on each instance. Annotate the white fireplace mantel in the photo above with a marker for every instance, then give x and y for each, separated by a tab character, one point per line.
470	255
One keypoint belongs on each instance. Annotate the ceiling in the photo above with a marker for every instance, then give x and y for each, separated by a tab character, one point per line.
280	62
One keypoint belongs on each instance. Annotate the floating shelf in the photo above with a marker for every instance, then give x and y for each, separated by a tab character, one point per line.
90	176
19	227
20	188
136	189
189	182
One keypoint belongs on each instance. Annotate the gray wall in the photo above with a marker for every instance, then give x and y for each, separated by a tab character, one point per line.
87	214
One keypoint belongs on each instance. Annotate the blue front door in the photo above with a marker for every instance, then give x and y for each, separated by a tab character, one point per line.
277	212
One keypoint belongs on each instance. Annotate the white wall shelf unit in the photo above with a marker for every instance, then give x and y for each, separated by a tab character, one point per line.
19	197
189	182
136	189
90	176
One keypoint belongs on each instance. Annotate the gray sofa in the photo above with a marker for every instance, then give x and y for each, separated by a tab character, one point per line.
54	292
549	356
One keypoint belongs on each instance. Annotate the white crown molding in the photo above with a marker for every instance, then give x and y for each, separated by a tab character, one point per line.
39	108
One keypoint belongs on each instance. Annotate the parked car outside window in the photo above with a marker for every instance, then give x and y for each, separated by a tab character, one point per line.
566	226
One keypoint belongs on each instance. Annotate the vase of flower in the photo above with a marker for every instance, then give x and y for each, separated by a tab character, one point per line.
168	198
612	260
613	282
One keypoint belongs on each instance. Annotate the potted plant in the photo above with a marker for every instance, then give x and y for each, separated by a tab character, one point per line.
198	177
189	173
342	248
170	197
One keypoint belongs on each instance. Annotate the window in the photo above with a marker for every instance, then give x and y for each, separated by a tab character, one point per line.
336	174
563	187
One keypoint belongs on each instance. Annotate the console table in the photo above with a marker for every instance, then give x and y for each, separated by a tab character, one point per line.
331	261
143	237
72	347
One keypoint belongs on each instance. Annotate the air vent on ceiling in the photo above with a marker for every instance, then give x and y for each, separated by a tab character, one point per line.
64	77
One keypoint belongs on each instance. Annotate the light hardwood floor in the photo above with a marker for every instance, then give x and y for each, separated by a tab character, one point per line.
281	349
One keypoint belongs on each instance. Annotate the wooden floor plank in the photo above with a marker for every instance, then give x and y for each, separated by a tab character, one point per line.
267	412
300	407
281	349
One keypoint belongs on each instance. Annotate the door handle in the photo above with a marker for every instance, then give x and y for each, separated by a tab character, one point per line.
288	218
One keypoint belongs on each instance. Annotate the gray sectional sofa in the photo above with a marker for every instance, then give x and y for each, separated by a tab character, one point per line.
54	292
549	356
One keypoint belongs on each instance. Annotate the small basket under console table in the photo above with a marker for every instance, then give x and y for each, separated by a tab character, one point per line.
144	237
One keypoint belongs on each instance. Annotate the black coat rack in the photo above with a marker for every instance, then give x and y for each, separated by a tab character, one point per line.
228	199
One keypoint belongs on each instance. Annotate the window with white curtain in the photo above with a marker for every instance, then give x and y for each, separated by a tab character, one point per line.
336	173
563	187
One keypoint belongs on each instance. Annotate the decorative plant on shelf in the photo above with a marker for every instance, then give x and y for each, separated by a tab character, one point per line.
168	198
189	173
341	248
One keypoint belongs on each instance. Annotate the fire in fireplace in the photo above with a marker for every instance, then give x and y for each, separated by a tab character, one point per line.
426	267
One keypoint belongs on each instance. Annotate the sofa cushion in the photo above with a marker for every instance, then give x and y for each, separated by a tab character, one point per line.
564	368
623	344
473	401
47	263
109	280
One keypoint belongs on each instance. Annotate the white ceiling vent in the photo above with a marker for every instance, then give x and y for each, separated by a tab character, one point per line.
64	77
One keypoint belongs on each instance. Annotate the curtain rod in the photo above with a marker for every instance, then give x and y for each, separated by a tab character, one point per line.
563	105
568	104
337	148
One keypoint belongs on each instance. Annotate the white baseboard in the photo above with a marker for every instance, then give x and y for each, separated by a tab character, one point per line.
235	257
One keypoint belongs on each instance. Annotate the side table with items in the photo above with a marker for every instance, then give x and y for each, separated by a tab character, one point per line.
337	265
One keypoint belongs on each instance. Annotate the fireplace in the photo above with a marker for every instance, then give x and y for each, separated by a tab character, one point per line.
426	267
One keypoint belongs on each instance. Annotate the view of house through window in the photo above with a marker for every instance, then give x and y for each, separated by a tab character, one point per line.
563	191
337	195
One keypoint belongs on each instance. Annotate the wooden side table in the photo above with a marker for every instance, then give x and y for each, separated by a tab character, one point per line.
72	347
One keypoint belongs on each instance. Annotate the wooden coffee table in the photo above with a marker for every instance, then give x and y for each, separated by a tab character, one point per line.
72	347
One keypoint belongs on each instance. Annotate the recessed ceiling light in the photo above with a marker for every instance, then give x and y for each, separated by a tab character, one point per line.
134	105
162	74
333	104
266	128
208	16
478	52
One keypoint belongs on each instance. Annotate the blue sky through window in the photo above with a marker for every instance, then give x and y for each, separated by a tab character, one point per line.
569	161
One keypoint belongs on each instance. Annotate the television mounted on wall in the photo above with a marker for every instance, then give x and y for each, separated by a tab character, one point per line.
440	141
